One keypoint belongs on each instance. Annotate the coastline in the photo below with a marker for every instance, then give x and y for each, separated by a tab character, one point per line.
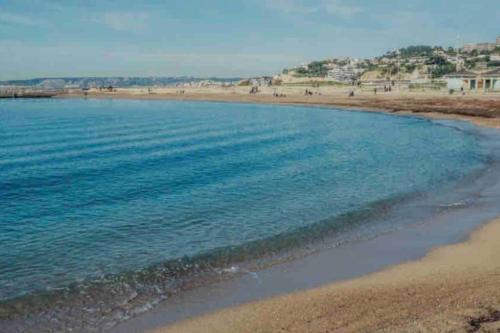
461	280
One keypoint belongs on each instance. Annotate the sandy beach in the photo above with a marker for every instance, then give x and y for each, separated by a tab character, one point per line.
455	288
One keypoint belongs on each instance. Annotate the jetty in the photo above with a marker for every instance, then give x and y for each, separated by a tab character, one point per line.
28	92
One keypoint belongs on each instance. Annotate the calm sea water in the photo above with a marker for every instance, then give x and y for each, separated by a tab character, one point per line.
94	189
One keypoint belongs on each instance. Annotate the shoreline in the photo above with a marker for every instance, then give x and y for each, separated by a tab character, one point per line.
286	312
327	268
482	110
453	288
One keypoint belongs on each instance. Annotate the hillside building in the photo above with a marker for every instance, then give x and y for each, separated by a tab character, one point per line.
481	47
344	74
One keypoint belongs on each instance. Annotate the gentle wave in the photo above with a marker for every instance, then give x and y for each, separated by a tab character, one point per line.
187	136
62	136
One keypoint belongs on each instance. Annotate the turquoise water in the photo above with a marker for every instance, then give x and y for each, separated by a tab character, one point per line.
98	188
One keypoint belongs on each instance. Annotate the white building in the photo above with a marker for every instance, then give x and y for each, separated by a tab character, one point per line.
487	81
344	74
492	80
263	81
460	80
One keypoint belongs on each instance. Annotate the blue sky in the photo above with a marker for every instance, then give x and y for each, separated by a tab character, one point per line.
222	37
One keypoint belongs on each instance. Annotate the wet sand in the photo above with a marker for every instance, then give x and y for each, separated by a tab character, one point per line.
453	288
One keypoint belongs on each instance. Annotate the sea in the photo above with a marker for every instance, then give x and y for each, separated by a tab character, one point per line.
109	207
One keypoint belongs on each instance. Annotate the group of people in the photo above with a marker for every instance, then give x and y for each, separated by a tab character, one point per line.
108	88
254	90
308	92
386	89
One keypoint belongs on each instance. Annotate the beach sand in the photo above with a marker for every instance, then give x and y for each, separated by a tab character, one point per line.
455	288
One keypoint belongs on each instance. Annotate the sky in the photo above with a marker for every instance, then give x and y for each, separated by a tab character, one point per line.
224	38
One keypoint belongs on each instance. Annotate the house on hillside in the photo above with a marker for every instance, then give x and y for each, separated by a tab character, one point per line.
262	81
344	74
481	47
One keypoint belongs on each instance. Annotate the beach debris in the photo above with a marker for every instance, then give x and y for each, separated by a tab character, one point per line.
475	323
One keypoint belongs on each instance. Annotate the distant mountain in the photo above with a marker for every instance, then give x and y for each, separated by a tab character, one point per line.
118	82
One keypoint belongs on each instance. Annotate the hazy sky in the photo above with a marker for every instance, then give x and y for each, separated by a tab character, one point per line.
222	37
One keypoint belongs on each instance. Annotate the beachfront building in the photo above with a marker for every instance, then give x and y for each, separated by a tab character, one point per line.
492	80
466	80
462	79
